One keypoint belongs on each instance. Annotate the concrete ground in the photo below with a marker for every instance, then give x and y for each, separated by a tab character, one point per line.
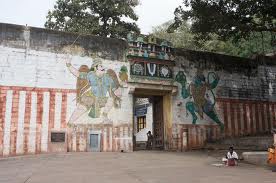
137	167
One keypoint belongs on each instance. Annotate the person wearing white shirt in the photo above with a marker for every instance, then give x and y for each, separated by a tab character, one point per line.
231	158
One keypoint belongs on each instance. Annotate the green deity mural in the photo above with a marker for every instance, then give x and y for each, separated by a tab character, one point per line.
199	102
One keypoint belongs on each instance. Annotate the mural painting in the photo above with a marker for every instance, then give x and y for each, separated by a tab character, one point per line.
198	94
123	74
98	90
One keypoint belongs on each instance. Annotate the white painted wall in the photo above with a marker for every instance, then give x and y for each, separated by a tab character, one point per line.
39	69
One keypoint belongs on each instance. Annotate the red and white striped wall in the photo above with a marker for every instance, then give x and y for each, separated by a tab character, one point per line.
27	116
247	117
196	137
112	138
240	117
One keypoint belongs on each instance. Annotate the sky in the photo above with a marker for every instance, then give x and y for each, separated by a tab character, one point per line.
33	12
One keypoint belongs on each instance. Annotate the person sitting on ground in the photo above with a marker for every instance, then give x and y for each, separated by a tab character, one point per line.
231	158
150	140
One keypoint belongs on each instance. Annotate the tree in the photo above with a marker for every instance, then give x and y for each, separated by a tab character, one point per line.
183	37
227	18
97	17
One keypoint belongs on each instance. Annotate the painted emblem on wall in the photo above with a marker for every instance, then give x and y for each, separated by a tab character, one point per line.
98	90
165	72
138	69
199	101
151	69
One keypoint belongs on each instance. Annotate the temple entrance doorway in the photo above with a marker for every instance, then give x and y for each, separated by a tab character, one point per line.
148	123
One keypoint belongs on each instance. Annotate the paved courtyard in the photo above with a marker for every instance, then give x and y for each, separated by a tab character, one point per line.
137	167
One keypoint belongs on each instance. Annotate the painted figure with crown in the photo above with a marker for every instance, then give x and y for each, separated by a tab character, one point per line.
98	90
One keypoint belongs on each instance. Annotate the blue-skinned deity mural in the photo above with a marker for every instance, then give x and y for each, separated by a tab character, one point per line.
98	91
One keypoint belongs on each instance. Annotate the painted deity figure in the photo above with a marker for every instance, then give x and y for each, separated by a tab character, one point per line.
98	91
200	102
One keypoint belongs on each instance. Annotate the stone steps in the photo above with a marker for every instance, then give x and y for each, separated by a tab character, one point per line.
256	143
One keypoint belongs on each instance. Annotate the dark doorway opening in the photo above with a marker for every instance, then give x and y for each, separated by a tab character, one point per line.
148	116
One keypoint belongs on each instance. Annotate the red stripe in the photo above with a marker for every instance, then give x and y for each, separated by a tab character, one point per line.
261	117
274	115
114	142
249	121
254	118
78	141
257	115
52	111
265	117
232	133
107	138
225	118
197	140
245	119
27	119
102	148
239	118
63	110
269	117
112	135
251	125
3	98
39	121
14	122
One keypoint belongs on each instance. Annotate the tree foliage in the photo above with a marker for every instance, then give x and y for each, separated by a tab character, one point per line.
227	18
98	17
183	37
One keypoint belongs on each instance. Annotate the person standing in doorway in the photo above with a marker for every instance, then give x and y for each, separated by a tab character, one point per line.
150	140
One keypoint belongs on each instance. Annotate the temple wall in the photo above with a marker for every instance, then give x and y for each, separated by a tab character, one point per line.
39	95
243	99
43	91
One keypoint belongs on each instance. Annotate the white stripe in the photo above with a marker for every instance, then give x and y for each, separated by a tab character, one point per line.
7	128
71	105
58	101
45	122
32	133
20	129
110	138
